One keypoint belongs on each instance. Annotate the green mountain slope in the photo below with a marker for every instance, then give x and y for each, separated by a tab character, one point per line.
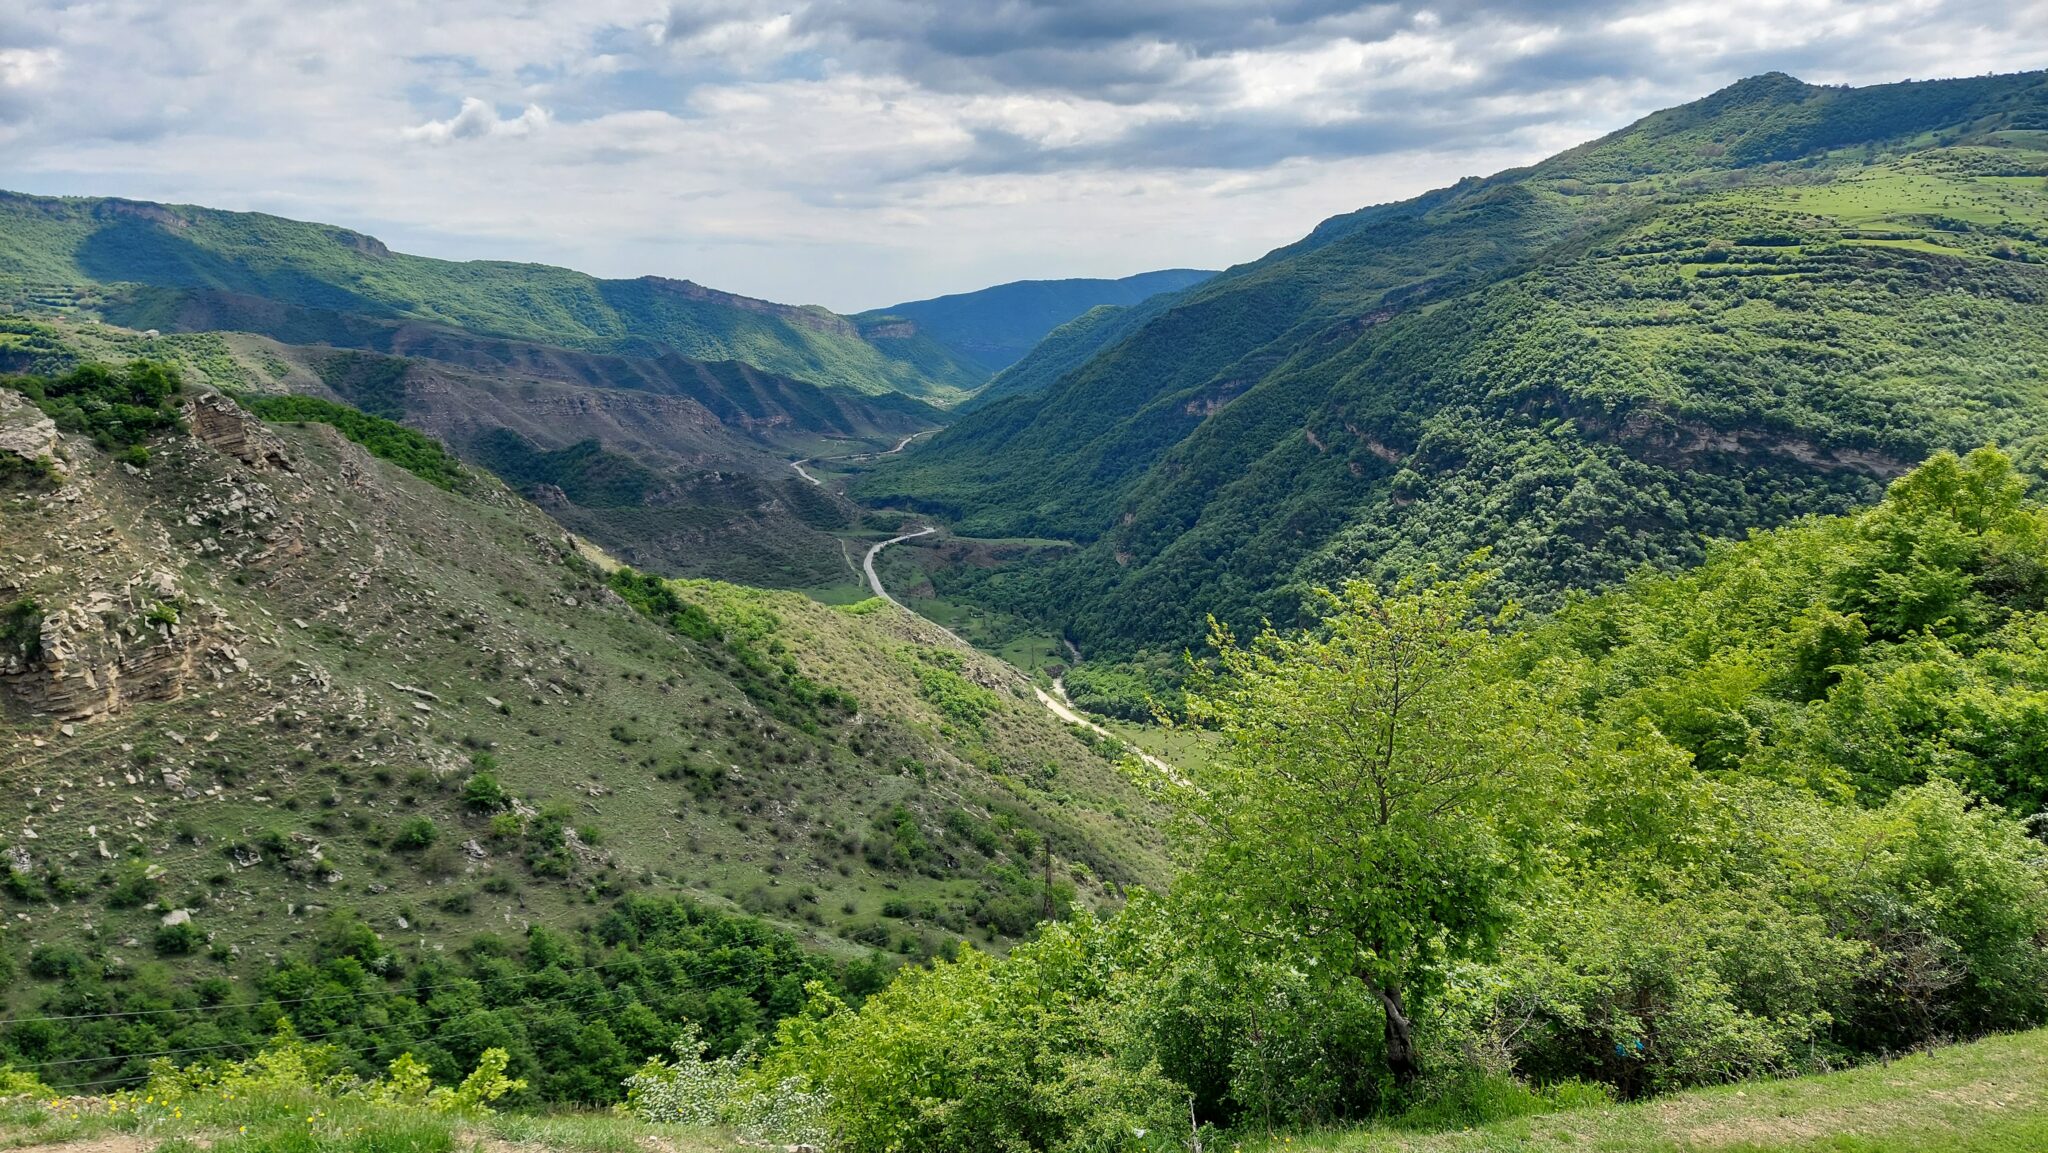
995	327
189	268
257	672
1065	349
1755	306
710	443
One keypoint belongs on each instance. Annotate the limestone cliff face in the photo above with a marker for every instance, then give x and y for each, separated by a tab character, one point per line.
108	650
219	424
99	618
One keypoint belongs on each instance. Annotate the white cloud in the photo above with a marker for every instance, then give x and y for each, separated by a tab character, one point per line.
476	121
855	152
22	67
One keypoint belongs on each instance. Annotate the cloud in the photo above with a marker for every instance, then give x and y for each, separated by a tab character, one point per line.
855	152
476	121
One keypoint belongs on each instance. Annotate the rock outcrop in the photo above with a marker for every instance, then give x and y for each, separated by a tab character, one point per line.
221	425
25	432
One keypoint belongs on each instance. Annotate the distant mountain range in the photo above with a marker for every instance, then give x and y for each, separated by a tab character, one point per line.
995	327
658	416
1762	304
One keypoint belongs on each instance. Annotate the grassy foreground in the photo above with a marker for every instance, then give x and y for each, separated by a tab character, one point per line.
1982	1097
1989	1096
297	1122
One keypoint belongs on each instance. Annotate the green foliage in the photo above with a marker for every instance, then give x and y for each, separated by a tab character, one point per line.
958	699
21	472
179	940
415	834
744	635
1686	330
576	1014
21	629
1370	808
1139	690
119	408
1448	872
414	452
1873	651
15	1083
482	793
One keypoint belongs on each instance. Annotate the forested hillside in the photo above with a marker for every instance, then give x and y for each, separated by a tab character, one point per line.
1770	816
1763	304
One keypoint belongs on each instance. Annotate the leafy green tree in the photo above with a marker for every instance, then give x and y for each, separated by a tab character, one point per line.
1365	816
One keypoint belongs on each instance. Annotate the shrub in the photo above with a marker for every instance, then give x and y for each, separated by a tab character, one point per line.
415	834
482	794
179	940
119	408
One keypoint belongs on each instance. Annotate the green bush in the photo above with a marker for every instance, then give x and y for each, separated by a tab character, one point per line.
415	834
118	408
481	793
179	940
412	451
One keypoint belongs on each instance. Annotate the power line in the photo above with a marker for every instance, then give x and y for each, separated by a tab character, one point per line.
225	1005
399	992
313	1037
532	1003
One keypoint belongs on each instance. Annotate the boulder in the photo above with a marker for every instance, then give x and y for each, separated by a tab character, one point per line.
25	432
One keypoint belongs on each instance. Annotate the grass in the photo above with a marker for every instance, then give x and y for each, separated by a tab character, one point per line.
304	1122
570	697
1990	1096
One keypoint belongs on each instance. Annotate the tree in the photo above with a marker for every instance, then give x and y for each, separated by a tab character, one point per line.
1366	818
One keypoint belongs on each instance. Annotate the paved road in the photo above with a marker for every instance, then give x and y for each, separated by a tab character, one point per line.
867	565
1061	708
798	465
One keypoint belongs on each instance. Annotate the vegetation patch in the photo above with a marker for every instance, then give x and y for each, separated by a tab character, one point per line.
415	452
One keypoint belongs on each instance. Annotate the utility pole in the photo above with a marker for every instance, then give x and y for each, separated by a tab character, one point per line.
1046	913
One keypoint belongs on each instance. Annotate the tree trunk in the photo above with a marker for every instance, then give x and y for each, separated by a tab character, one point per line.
1400	1035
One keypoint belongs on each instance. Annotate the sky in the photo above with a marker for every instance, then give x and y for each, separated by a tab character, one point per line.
854	153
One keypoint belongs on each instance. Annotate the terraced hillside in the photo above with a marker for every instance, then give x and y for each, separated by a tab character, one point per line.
1755	306
253	674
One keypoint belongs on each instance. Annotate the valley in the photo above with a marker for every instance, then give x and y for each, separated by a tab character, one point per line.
1558	661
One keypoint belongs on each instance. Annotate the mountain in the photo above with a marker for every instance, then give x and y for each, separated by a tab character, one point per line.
697	453
994	327
255	671
1756	306
186	268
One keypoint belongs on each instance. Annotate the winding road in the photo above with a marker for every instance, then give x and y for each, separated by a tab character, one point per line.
798	465
867	564
1059	707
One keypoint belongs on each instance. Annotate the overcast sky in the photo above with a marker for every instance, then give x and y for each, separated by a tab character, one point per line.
857	152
